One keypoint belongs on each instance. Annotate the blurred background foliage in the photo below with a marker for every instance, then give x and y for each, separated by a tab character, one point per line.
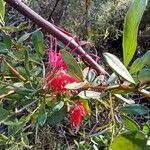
98	21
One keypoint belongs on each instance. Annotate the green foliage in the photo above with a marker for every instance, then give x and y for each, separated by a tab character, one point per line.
31	112
126	100
135	109
144	74
140	63
117	65
129	141
2	11
57	116
131	25
42	115
38	42
89	95
129	123
73	67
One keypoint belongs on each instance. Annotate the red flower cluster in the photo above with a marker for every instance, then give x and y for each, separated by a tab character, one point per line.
59	80
56	60
77	112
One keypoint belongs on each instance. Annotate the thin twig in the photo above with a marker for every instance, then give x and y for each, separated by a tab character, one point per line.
54	8
112	116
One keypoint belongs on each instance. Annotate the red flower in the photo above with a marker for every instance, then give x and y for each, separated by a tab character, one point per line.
77	112
59	80
56	60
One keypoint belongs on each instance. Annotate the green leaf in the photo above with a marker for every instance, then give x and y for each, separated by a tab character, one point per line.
89	95
129	123
38	42
3	139
57	116
132	140
2	11
16	147
86	105
99	79
3	67
74	86
140	63
130	31
24	37
135	109
144	74
73	67
58	106
3	49
91	75
11	29
146	128
128	101
12	122
7	41
112	78
117	66
42	115
3	114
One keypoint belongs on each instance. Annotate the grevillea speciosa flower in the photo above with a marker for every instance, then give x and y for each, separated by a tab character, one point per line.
58	80
77	112
55	58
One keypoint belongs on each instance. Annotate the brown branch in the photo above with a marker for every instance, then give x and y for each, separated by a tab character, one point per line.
50	28
134	89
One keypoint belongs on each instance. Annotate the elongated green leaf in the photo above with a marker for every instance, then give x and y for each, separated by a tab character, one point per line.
89	95
135	109
2	11
128	101
24	37
38	42
117	66
140	63
74	86
11	29
42	116
131	24
73	67
3	67
129	123
131	140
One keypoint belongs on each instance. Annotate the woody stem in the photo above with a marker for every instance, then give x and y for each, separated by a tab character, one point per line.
50	28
